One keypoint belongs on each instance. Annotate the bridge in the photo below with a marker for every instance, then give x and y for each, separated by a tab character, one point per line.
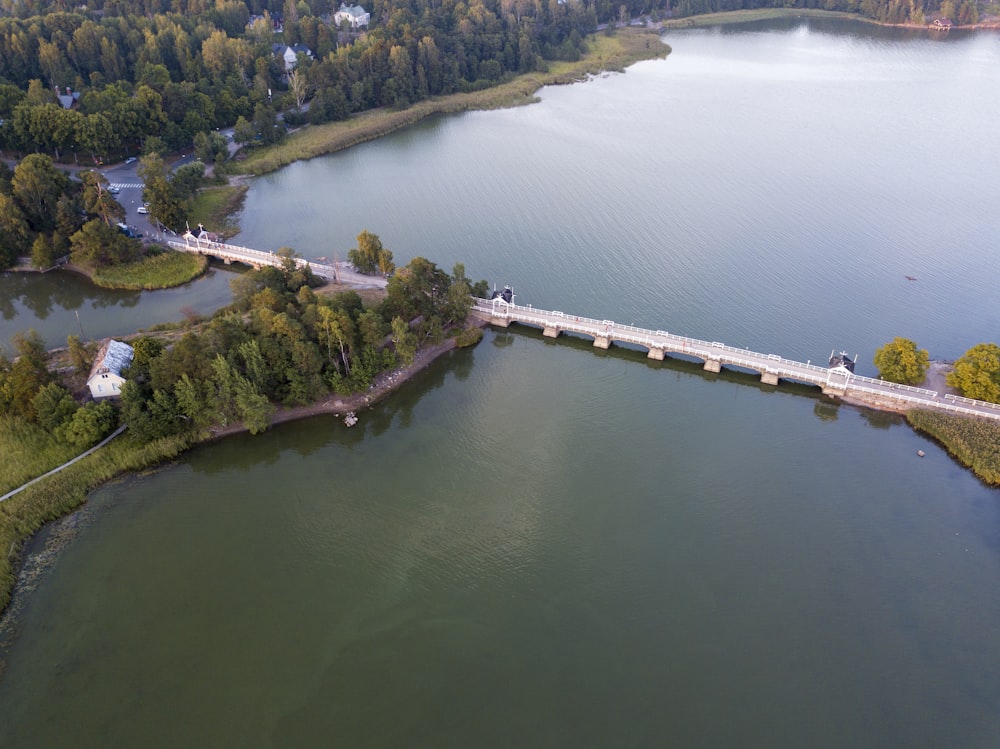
228	253
835	381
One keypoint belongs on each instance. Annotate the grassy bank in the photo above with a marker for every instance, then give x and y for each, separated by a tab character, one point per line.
24	514
975	443
760	14
615	52
216	207
28	451
160	271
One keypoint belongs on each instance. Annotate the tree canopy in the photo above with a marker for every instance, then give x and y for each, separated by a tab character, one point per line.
901	361
977	373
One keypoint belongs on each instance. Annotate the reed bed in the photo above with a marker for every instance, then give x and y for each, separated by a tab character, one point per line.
163	270
28	451
973	442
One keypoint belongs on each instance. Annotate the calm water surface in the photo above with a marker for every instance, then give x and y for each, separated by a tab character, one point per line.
534	544
51	304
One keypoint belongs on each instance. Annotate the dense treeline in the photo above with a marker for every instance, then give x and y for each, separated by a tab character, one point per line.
128	71
883	11
278	344
174	70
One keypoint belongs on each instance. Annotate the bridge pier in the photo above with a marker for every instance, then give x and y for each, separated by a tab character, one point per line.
551	332
500	322
713	365
602	342
655	353
768	378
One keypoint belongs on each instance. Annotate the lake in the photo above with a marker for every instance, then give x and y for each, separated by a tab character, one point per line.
536	543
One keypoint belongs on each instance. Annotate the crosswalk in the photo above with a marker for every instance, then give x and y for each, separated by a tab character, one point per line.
125	185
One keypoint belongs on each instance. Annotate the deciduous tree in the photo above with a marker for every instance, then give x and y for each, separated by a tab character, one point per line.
901	361
977	373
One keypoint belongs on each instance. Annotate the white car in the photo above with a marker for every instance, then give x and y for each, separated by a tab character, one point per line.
143	209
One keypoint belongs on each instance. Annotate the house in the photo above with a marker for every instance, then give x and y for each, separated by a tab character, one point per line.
291	54
941	23
355	15
70	99
106	379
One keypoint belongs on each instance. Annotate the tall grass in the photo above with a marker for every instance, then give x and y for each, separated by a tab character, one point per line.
161	271
215	207
26	512
28	451
973	442
605	53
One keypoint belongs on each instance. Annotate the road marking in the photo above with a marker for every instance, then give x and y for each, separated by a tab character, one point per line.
124	185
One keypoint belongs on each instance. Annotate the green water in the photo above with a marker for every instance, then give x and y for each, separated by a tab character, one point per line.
538	544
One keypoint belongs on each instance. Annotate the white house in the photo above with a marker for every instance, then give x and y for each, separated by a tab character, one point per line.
290	55
355	15
106	379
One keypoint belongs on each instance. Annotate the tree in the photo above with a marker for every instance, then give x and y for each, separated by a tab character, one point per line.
98	245
404	340
38	185
370	255
42	252
977	373
97	200
243	132
900	361
298	88
79	354
27	375
15	236
53	406
88	425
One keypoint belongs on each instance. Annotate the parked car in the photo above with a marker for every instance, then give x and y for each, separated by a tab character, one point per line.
130	160
143	209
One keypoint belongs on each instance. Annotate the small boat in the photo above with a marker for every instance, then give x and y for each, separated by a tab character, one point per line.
910	278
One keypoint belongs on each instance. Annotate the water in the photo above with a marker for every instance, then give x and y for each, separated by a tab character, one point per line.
60	304
539	544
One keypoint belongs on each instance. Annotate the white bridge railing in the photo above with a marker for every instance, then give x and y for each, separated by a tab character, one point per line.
246	255
764	363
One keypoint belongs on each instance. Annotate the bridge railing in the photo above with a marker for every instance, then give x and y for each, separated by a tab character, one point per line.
896	386
972	401
772	363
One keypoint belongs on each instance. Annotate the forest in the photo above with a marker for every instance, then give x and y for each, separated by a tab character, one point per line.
111	78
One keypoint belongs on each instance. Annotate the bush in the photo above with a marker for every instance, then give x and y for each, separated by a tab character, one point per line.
469	336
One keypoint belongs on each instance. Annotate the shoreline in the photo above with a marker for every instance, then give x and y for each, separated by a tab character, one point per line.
385	384
732	17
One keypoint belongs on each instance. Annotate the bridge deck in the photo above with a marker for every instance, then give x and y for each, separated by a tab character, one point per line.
836	381
260	258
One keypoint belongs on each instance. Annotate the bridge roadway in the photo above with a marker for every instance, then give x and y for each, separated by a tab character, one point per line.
258	258
834	381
